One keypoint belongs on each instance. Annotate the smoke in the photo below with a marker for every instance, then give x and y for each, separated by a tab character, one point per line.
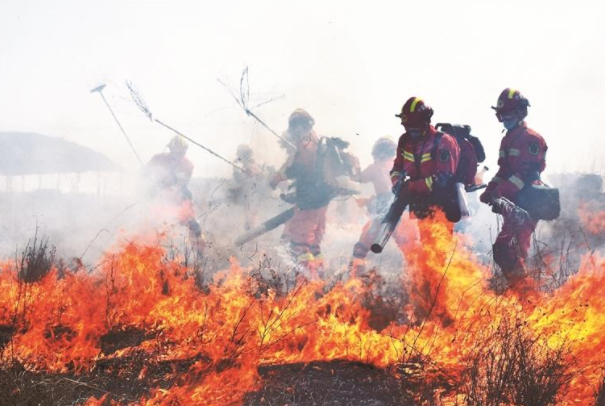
350	66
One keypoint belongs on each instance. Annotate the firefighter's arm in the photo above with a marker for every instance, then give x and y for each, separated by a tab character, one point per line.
533	159
281	174
492	186
526	167
353	166
366	175
277	178
492	192
499	177
447	157
503	187
397	172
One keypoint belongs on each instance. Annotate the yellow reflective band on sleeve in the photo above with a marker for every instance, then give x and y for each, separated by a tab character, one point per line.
396	175
514	152
306	257
511	93
426	157
517	182
502	153
408	156
429	182
414	103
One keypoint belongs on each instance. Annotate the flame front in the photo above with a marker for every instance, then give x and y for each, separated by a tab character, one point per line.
231	329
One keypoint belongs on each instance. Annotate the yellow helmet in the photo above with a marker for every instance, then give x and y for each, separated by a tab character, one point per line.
301	117
244	152
178	142
384	147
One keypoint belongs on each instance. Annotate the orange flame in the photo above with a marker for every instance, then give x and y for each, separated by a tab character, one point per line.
230	330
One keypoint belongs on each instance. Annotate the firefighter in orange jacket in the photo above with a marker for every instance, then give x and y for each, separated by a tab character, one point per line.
430	159
171	173
249	184
522	158
312	196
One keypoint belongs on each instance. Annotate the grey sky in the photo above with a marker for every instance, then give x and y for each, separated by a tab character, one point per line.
351	64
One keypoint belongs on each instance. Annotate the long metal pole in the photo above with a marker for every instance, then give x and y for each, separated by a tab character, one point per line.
100	91
254	116
197	143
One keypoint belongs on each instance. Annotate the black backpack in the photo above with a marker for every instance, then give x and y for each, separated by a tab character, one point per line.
471	151
464	132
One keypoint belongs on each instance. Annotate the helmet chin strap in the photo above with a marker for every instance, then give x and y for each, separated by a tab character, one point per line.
425	129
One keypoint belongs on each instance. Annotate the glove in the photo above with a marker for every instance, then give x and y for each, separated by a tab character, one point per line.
489	195
442	180
275	181
394	182
496	208
405	187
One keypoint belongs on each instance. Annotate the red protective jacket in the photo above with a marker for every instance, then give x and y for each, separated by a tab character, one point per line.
522	157
424	162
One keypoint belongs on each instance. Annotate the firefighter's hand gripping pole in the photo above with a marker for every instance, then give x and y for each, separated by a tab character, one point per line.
391	219
502	205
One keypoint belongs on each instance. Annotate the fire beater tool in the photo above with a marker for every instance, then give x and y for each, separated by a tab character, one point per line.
99	89
242	101
136	97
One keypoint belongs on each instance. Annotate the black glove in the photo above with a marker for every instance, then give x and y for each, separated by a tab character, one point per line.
402	186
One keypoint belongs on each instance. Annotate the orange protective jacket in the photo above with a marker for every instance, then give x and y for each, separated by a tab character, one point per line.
168	172
312	192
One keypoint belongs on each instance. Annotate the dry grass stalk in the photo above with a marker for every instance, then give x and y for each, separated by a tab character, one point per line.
510	365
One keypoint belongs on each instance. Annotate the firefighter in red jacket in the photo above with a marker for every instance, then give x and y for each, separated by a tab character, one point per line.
521	160
171	173
430	159
312	196
377	173
427	160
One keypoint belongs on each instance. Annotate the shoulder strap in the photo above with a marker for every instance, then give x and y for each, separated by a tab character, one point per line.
405	141
436	142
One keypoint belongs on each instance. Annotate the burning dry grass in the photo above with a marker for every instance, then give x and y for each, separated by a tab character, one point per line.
510	365
327	383
37	260
140	330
